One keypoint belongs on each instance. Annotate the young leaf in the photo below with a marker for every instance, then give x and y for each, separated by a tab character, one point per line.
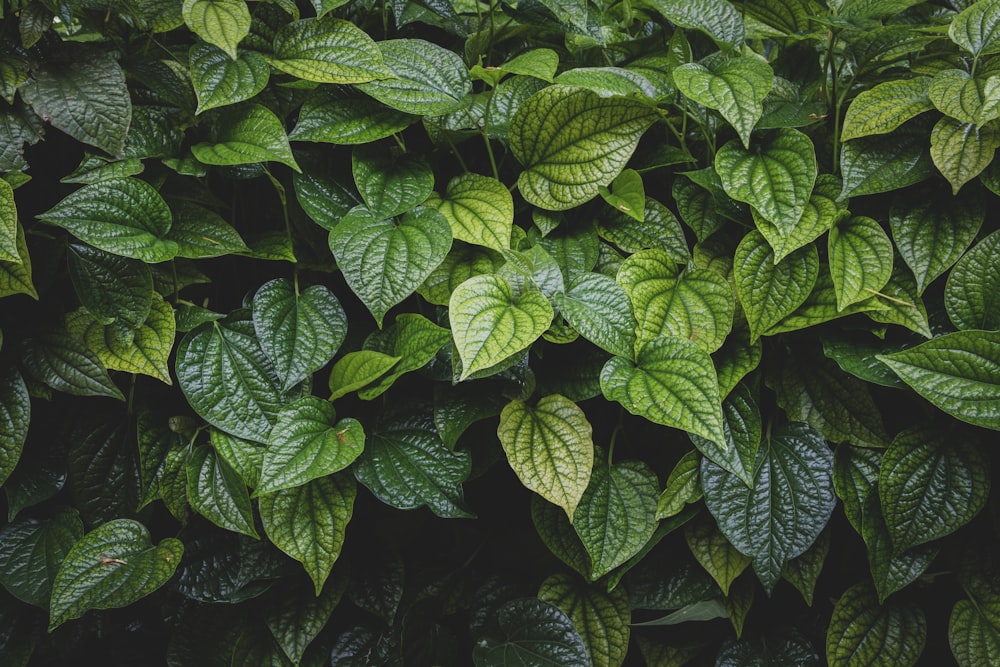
627	194
112	566
602	619
863	631
15	416
15	277
716	18
327	50
550	447
599	310
735	88
413	339
223	23
972	293
245	135
479	209
534	633
883	108
425	79
965	98
860	259
961	151
31	551
355	370
220	80
217	493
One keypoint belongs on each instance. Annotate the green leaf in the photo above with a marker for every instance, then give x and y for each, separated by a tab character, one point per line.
602	619
220	80
384	261
891	570
855	473
297	622
332	119
973	638
819	307
112	288
776	177
711	549
200	233
124	216
786	509
744	430
571	142
672	382
479	209
972	293
961	151
307	442
735	87
803	571
391	184
407	466
931	484
309	522
703	209
490	324
299	331
886	106
327	50
246	135
325	192
243	456
31	551
223	23
931	234
550	447
63	362
627	194
85	97
769	290
860	259
716	18
977	28
358	369
599	310
659	228
617	514
8	224
111	566
533	633
682	487
735	359
425	79
15	277
958	94
608	81
900	304
412	338
228	380
864	632
958	372
885	162
217	493
856	355
557	534
15	416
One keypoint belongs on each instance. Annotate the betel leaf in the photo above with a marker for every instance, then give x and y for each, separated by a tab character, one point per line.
883	108
770	290
973	637
490	324
220	80
735	359
608	81
803	571
307	442
217	493
111	566
735	87
972	293
358	369
112	288
671	382
533	633
964	97
855	473
31	551
787	507
228	380
961	151
412	338
599	310
617	513
299	330
246	134
297	622
550	447
200	232
682	486
602	619
557	534
743	428
716	18
891	570
821	213
223	23
931	483
335	119
391	184
479	209
384	261
885	162
860	259
776	176
819	307
327	50
958	372
627	194
15	416
63	362
864	632
425	79
571	142
659	229
713	552
977	28
124	216
309	522
244	456
8	224
15	277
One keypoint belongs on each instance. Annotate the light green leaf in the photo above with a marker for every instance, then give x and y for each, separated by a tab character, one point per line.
682	487
627	194
735	87
384	261
967	99
347	120
228	380
246	135
599	310
220	80
217	493
743	428
608	81
977	28
659	228
930	484
864	632
776	177
961	150
958	372
31	551
407	466
973	638
602	619
572	141
358	369
328	50
308	522
787	507
932	233
307	442
15	416
490	325
885	162
63	362
886	106
770	290
860	259
900	304
414	339
533	633
223	23
617	513
123	216
299	331
716	18
425	79
972	293
550	447
15	277
8	224
539	63
672	382
875	9
391	184
711	549
111	566
479	209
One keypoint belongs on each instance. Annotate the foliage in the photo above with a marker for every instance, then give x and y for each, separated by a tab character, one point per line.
549	332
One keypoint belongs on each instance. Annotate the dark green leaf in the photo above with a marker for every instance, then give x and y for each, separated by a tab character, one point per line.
972	293
425	79
884	163
602	619
217	493
15	416
534	633
864	632
64	363
391	184
31	552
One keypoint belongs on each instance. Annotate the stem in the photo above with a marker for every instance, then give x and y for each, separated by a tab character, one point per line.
458	156
489	153
619	427
399	141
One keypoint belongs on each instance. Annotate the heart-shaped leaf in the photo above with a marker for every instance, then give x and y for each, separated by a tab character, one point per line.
863	631
336	119
743	428
891	570
220	80
245	135
534	633
63	362
886	106
711	549
972	293
217	493
327	50
479	209
391	184
199	232
31	551
426	79
770	290
965	98
885	162
223	23
735	88
977	28
860	259
716	18
599	309
602	619
961	151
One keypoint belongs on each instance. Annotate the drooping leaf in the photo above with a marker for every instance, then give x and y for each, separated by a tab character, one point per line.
860	259
886	106
972	293
425	79
327	50
534	633
223	23
65	363
682	487
961	151
602	619
716	18
735	88
217	493
803	571
31	551
15	417
863	631
479	209
220	80
112	288
891	570
246	134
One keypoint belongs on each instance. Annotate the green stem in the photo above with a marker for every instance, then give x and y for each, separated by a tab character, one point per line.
458	156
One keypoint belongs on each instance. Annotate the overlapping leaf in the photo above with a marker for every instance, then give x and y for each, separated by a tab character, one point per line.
862	630
735	88
972	293
327	50
425	79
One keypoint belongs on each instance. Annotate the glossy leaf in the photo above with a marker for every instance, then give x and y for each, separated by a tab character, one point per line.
891	570
735	88
744	430
15	417
711	549
861	630
860	259
391	184
885	162
31	551
716	18
883	108
534	633
220	80
412	338
217	493
223	23
977	28
967	99
599	309
682	487
347	120
961	151
358	369
327	50
245	135
65	363
602	619
972	293
112	288
479	209
425	79
659	228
